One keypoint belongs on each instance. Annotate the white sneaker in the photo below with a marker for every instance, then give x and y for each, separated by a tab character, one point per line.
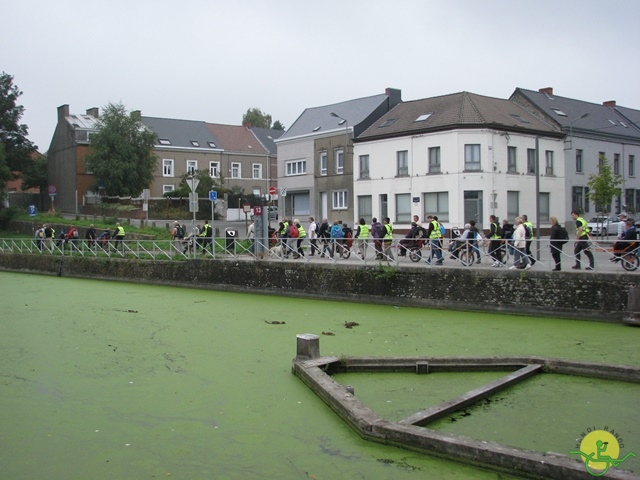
512	267
528	266
494	264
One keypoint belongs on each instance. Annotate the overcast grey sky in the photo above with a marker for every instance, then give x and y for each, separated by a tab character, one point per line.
212	60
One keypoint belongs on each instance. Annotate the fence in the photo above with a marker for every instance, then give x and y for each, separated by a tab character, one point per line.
398	252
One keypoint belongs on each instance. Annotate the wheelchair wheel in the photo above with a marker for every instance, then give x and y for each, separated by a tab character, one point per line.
415	255
467	258
345	252
630	262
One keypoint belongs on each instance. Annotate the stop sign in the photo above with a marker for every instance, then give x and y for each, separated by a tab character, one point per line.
272	190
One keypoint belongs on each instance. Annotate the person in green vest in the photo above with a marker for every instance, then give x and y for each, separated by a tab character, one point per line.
582	242
118	237
495	241
302	234
387	240
362	234
528	226
434	234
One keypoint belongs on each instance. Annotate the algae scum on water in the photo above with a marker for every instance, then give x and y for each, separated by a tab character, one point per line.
110	380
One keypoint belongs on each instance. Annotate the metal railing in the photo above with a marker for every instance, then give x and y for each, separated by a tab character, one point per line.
398	252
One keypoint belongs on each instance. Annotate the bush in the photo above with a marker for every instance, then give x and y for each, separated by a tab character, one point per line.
6	215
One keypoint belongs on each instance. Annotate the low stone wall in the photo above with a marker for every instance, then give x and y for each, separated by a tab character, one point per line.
582	296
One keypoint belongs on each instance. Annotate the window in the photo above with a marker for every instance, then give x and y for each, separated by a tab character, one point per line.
513	205
578	199
384	207
339	162
164	141
436	203
512	160
236	170
544	206
586	199
434	160
214	169
364	167
339	200
192	166
403	208
548	157
559	112
632	162
167	167
423	117
167	188
472	157
388	123
365	209
578	161
324	163
616	163
211	144
531	161
296	167
403	163
629	197
257	171
195	143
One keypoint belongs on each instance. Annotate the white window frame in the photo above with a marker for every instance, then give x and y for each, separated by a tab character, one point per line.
402	163
295	167
363	164
339	199
168	188
257	171
236	170
214	169
167	167
471	163
192	167
435	164
324	163
340	162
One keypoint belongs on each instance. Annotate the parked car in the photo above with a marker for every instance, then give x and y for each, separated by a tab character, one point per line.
603	226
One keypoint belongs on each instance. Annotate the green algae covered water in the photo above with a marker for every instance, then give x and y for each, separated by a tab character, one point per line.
106	380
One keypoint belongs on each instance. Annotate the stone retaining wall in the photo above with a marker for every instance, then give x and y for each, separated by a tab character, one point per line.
582	296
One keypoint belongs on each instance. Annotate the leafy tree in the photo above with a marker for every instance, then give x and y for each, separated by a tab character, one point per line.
35	174
277	125
13	134
603	186
255	118
5	174
122	158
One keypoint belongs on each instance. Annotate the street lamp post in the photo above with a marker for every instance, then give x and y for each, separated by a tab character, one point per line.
571	128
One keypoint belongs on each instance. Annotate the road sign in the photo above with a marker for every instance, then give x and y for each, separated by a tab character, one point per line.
32	210
283	192
52	190
193	202
213	195
246	208
257	210
272	190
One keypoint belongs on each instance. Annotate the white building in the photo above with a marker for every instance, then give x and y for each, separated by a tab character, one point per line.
460	156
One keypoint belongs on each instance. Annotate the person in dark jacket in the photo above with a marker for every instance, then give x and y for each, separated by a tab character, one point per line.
555	243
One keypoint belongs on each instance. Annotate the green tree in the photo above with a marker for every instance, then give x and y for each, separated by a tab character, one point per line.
13	134
35	174
603	186
277	125
255	118
5	175
121	155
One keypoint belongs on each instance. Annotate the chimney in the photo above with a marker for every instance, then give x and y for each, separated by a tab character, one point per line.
63	112
547	90
94	112
395	96
609	103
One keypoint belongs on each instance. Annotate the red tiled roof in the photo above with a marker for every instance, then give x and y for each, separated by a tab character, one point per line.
236	138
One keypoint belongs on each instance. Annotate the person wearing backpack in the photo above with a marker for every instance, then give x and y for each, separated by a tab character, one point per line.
495	241
377	232
556	241
336	238
582	241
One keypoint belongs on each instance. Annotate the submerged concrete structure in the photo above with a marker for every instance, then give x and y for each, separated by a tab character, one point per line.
412	432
